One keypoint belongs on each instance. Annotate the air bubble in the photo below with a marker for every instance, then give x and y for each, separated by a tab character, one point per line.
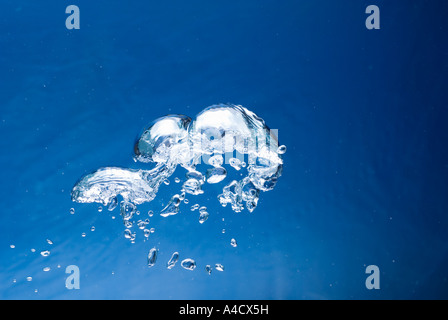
152	257
219	267
203	216
216	175
216	160
45	253
172	262
188	264
113	203
208	269
281	149
235	163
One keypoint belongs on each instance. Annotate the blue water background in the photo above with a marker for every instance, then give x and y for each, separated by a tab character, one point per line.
363	114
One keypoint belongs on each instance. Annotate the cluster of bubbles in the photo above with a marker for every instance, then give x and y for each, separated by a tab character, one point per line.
220	135
187	264
43	253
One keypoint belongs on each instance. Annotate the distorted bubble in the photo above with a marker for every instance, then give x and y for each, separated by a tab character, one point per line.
127	210
203	216
152	257
219	267
281	149
193	186
172	207
208	269
112	204
216	160
141	224
45	253
72	211
235	163
216	174
233	242
188	264
127	224
172	262
165	140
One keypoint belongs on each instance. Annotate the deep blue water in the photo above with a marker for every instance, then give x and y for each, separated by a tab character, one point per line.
363	114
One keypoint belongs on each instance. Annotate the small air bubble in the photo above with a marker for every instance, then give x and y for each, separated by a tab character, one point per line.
208	269
281	149
219	267
203	216
188	264
152	257
173	260
45	253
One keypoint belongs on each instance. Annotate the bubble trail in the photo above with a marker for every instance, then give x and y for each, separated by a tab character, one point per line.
219	137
